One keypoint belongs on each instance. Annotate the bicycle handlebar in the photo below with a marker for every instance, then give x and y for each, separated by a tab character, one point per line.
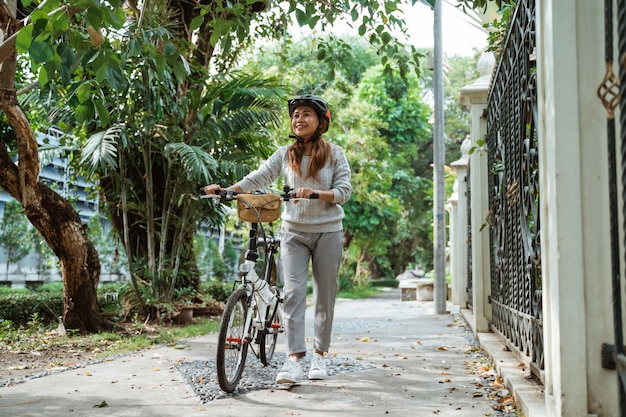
230	195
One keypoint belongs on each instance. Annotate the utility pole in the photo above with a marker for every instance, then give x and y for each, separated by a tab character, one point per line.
440	287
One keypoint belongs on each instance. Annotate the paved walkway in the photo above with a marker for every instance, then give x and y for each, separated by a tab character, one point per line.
418	363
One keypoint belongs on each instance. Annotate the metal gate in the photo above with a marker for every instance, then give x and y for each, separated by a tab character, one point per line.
513	165
612	92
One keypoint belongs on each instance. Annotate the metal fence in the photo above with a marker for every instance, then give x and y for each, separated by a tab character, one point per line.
513	164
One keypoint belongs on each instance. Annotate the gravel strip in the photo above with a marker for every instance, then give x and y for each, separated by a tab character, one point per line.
202	375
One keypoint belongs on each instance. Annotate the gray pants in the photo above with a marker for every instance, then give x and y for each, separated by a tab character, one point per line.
296	250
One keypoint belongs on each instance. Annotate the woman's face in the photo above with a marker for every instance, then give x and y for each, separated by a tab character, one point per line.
304	122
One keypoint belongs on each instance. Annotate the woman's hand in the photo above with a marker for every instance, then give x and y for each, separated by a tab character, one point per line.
304	192
211	189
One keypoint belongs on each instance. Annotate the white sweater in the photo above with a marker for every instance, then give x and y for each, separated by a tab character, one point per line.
313	216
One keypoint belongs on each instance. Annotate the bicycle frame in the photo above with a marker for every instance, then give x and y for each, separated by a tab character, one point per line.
258	288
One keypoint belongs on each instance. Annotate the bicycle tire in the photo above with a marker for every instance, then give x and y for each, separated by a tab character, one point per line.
269	336
232	348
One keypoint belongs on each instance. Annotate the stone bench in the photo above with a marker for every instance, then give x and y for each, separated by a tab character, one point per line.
419	289
408	289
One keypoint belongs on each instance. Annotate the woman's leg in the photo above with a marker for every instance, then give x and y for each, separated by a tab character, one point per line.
294	255
326	257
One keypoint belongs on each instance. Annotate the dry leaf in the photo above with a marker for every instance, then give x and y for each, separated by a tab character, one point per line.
365	339
87	373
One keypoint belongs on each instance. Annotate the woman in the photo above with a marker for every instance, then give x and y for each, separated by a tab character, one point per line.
311	231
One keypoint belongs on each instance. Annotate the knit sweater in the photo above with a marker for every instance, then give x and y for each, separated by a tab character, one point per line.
313	216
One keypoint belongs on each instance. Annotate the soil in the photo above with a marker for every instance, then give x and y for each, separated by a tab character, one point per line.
20	364
55	351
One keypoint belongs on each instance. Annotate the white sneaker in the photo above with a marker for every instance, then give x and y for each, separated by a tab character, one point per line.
291	372
318	367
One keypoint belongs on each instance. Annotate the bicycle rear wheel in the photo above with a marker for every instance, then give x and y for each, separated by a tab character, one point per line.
232	347
269	336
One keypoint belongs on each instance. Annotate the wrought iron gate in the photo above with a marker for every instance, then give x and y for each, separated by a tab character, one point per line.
613	92
514	193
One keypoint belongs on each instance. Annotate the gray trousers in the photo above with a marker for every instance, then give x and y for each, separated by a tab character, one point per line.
323	250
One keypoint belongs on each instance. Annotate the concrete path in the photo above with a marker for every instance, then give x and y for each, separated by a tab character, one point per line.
418	358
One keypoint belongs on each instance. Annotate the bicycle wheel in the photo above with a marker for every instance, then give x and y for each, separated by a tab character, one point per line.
269	336
232	347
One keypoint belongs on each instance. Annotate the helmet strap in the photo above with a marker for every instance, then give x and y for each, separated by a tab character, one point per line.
316	135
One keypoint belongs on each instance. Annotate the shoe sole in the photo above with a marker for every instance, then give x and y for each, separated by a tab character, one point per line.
286	381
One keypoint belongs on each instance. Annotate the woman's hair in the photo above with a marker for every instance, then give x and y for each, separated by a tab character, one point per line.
321	151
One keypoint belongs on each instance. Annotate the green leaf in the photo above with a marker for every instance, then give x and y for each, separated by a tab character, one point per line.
134	48
198	163
169	50
43	76
196	22
114	17
390	6
355	14
94	16
386	38
115	78
60	22
24	39
179	71
83	92
103	113
84	112
301	17
41	52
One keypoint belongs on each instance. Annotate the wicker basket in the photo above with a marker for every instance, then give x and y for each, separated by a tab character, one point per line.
257	208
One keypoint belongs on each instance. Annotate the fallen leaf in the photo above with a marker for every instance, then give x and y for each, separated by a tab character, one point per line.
101	405
156	369
87	373
365	339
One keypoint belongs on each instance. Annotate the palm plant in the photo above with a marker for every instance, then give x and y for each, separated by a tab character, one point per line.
172	128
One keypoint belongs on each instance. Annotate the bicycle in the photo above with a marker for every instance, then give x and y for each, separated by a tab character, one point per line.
253	314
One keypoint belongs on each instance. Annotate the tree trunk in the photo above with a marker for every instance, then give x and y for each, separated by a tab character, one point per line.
52	215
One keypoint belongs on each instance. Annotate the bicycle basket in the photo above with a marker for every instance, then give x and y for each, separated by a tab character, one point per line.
258	207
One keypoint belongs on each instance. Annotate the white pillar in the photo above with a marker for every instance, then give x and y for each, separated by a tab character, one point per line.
474	96
458	228
575	252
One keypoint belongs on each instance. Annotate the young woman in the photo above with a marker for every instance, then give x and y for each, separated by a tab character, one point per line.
311	232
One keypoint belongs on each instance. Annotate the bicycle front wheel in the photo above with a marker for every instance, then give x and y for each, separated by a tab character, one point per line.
269	336
232	345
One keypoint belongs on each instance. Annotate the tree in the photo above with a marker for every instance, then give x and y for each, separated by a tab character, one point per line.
140	82
14	236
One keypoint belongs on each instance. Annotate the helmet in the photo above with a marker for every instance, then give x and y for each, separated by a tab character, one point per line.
320	106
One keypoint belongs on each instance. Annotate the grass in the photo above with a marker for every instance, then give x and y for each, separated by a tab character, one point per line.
134	336
356	293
